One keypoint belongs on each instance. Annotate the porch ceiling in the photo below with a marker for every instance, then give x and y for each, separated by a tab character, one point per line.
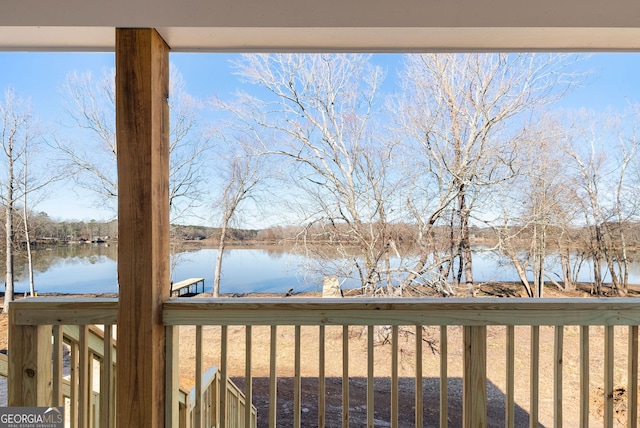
329	25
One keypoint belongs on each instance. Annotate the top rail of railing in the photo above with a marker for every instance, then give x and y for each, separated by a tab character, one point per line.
402	311
356	311
65	311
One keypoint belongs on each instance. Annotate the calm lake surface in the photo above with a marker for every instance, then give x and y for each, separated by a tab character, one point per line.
93	269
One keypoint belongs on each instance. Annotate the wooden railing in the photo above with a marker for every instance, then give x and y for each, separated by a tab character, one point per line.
205	406
488	357
85	384
505	321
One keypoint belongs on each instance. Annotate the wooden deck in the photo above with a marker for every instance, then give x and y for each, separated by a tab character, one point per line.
188	287
305	319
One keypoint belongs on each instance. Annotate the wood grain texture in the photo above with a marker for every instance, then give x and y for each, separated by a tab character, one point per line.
474	389
609	359
534	376
509	393
65	311
345	376
58	399
172	406
85	364
632	376
471	312
444	374
142	132
29	366
558	364
584	376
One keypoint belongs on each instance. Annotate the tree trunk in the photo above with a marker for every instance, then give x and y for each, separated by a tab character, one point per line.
25	217
221	246
32	290
8	291
466	260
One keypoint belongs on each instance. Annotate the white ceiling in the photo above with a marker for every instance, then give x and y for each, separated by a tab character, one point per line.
327	25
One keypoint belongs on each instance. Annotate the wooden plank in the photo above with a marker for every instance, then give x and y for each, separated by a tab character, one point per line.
85	366
370	378
609	362
185	283
584	376
142	132
464	312
558	361
107	380
419	381
345	376
322	387
197	410
474	379
273	378
66	311
224	379
189	286
534	377
29	364
71	333
632	375
510	387
172	376
297	386
74	391
444	378
394	376
248	379
58	398
91	397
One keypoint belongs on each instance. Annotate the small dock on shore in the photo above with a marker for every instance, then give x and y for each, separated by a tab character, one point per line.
187	288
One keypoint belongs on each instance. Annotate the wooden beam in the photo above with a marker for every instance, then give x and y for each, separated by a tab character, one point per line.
30	369
142	130
474	380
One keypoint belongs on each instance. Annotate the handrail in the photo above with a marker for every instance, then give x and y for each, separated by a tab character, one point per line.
65	311
412	311
74	315
473	315
413	315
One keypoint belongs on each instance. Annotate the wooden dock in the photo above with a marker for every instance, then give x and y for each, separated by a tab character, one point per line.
187	288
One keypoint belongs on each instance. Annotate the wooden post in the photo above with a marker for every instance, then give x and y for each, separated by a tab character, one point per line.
142	125
474	389
30	373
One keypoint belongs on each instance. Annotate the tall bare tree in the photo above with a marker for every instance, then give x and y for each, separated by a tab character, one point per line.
241	174
318	112
602	150
537	205
463	111
18	130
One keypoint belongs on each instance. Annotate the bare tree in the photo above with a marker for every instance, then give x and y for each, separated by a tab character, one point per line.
92	162
463	112
536	205
18	130
242	172
318	112
602	149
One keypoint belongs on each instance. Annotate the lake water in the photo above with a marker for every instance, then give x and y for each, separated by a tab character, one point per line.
93	269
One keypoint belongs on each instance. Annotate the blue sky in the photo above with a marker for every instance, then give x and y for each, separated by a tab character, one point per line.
613	82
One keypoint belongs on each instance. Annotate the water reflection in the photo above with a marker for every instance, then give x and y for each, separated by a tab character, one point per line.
87	268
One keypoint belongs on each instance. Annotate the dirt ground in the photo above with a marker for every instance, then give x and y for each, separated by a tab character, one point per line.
406	360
